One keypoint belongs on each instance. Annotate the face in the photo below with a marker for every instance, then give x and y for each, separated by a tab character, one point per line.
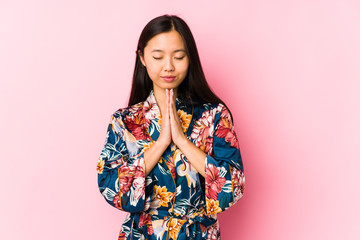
166	60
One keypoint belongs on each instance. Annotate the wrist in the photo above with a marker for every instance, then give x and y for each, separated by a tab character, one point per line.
182	142
162	144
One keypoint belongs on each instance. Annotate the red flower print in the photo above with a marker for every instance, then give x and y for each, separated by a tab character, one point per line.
225	129
129	176
213	181
145	219
126	176
117	201
122	236
137	125
171	166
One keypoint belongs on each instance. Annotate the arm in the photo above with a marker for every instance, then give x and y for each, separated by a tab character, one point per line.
196	157
121	169
224	171
222	168
152	155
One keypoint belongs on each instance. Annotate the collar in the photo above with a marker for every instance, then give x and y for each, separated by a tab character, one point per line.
152	110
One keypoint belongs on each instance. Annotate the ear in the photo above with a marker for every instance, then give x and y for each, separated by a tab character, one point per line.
141	56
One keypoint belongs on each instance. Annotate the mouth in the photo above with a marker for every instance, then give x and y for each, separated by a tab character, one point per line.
168	78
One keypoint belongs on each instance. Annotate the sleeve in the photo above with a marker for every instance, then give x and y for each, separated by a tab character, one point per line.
224	172
121	169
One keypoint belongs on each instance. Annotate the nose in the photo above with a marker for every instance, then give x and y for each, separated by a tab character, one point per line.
169	66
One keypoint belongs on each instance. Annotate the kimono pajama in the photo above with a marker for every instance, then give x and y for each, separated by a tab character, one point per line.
174	201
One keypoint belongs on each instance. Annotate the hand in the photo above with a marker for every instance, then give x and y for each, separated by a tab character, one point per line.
165	132
177	133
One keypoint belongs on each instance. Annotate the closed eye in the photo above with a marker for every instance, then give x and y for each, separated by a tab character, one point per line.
178	58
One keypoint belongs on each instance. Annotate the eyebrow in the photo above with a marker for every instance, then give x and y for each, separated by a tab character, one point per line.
159	50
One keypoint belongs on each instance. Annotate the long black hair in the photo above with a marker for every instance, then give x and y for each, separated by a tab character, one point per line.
194	89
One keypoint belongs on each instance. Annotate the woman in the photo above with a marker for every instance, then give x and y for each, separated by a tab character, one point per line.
171	158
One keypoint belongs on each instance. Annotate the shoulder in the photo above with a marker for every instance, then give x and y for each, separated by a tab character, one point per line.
215	113
128	111
214	108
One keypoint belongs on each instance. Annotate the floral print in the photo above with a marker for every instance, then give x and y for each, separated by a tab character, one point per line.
174	226
203	131
161	195
212	206
100	166
226	129
145	219
174	201
185	119
213	182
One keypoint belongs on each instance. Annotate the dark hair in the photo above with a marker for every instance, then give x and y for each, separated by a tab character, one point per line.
194	89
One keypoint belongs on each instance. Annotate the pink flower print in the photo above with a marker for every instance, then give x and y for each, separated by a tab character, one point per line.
126	176
202	131
213	181
212	233
139	183
238	179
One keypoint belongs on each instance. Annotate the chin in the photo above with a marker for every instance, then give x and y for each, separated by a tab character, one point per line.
170	85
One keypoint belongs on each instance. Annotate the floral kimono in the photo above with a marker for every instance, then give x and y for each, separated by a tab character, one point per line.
174	201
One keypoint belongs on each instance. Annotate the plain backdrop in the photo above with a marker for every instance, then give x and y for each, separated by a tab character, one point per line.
288	70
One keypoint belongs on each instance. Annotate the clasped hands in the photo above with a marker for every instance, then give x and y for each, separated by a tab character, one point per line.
171	129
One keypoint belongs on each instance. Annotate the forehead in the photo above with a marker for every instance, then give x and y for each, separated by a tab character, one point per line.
168	41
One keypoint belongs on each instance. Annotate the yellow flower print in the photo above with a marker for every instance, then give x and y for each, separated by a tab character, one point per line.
185	119
147	145
212	206
161	194
174	226
100	166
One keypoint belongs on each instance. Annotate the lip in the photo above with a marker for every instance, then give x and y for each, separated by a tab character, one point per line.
168	78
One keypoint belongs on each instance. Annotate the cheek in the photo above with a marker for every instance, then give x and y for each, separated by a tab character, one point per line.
183	68
153	69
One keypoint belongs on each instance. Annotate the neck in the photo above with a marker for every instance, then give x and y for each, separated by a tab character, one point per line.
160	96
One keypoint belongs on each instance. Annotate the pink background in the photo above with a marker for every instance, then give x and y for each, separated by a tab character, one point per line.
289	71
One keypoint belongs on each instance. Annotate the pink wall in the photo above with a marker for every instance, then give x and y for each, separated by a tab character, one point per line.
289	71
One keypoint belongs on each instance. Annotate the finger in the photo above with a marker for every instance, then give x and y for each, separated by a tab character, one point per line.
167	96
173	106
168	102
172	96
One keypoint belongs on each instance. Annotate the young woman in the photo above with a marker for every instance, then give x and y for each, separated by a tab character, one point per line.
171	158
